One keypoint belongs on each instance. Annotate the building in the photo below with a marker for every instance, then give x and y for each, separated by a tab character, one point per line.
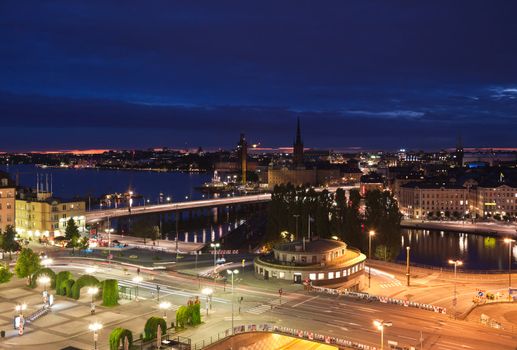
7	201
320	262
370	182
419	200
41	215
242	152
494	198
298	161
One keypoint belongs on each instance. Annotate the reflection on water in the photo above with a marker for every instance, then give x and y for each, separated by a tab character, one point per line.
207	234
435	248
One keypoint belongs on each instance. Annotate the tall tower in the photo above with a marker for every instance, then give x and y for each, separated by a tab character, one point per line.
458	154
298	148
242	152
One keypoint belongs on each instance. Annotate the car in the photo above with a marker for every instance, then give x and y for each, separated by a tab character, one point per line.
220	261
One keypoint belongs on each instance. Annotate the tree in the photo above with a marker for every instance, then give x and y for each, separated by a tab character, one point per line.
145	228
72	234
44	272
83	281
61	279
83	243
5	274
8	242
28	263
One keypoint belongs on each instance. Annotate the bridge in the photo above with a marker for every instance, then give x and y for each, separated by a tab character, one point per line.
103	215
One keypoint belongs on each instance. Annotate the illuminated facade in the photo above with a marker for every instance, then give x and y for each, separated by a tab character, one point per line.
7	198
321	262
47	216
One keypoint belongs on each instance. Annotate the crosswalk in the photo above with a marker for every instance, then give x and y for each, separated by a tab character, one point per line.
395	283
260	309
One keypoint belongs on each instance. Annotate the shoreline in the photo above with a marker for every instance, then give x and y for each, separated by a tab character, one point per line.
483	229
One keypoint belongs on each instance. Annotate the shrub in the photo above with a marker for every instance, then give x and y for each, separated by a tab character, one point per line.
182	316
61	279
5	274
117	338
151	327
43	272
195	314
110	293
83	281
68	285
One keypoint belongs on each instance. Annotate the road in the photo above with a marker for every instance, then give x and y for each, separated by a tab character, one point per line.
100	215
338	316
464	226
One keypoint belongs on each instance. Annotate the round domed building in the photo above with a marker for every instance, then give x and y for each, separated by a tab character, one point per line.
322	262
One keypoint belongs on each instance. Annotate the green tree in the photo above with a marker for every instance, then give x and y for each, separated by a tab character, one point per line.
83	243
28	263
44	272
8	242
61	279
83	281
72	234
5	274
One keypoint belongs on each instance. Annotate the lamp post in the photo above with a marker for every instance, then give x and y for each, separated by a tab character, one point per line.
208	293
93	291
137	280
510	242
456	263
232	273
95	328
44	281
109	230
296	216
407	264
165	305
379	324
370	235
19	309
46	262
214	247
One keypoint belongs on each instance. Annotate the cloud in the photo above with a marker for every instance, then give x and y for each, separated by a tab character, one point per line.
388	114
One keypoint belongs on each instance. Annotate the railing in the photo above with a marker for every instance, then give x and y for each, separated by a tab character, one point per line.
179	342
382	299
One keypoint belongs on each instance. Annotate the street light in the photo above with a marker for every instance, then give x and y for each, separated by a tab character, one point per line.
370	235
379	324
215	246
19	309
510	242
44	281
208	292
407	264
456	263
95	328
232	273
93	291
137	280
109	230
165	305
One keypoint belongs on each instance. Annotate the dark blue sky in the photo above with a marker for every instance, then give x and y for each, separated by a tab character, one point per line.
372	74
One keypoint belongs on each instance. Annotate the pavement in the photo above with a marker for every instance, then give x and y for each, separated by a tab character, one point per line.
501	228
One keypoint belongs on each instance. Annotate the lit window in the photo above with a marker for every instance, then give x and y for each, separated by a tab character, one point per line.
312	276
338	274
321	275
331	275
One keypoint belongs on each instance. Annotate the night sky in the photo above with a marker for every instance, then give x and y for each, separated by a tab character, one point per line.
371	74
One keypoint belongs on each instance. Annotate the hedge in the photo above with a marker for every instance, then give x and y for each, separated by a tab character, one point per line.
68	285
117	337
195	314
151	327
83	281
43	272
110	292
61	279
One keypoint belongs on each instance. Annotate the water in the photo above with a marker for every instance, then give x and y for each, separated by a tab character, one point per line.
68	183
435	248
428	247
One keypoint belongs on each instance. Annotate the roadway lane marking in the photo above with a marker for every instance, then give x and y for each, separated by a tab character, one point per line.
303	302
257	310
447	343
403	336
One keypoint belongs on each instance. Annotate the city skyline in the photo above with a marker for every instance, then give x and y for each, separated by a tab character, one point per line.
369	75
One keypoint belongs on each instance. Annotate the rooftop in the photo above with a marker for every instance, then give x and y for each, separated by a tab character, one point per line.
319	245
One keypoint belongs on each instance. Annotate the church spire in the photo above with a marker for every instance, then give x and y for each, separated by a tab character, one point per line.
298	147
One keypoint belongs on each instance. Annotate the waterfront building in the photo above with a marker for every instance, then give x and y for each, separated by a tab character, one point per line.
370	182
418	200
7	201
321	262
242	152
494	198
42	215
